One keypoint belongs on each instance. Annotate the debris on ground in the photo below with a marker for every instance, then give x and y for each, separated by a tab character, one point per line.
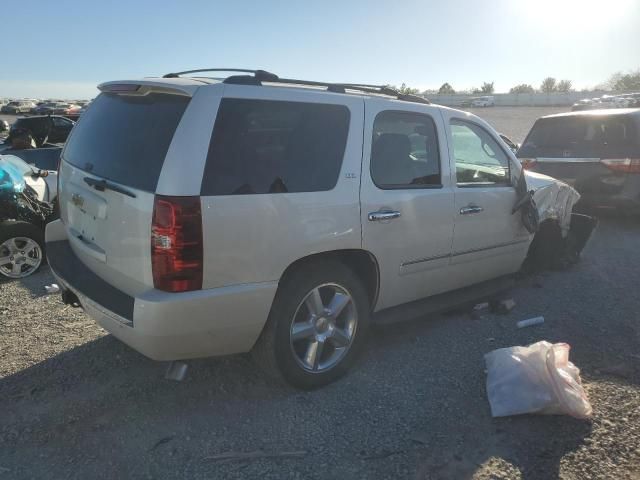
481	306
53	288
535	379
502	306
476	311
162	441
229	456
176	371
529	322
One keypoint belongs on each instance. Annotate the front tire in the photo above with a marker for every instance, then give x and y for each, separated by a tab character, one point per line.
317	325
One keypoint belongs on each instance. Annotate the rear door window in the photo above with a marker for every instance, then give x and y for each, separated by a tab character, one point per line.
404	151
125	138
265	146
609	136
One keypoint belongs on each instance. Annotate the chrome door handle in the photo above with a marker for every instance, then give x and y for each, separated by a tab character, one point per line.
470	209
383	215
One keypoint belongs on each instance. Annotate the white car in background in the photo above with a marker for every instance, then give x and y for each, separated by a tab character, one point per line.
486	101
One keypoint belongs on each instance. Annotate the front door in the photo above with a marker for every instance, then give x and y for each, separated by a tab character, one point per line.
488	241
407	200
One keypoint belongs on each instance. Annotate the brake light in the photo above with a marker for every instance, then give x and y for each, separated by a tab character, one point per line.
119	87
176	244
623	165
528	163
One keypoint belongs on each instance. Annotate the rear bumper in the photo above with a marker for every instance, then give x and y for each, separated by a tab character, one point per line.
161	325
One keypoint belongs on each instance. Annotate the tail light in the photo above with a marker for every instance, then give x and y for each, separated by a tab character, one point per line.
622	165
528	163
176	244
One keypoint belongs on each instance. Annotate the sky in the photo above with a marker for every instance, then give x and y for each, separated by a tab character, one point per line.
64	48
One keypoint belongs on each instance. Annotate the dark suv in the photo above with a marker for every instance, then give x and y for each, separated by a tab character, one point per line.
45	128
597	152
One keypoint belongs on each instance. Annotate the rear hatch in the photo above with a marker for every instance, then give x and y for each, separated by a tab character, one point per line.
590	152
108	176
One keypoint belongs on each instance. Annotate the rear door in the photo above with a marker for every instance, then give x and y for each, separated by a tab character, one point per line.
407	200
111	168
488	240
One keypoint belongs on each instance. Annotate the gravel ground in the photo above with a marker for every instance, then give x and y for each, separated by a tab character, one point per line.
76	403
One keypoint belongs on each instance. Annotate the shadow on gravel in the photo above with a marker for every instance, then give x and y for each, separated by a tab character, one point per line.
534	445
34	283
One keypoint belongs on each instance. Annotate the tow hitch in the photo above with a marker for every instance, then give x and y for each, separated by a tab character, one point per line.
70	298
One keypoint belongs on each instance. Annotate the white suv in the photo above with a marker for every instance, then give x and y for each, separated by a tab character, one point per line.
486	101
203	217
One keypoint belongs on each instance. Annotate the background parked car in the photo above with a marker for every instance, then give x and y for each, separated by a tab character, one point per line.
17	106
598	153
44	108
485	101
23	215
45	129
584	104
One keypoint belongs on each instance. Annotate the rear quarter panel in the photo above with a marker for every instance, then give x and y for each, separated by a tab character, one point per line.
254	238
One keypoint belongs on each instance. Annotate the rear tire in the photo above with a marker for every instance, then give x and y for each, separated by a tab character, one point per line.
317	326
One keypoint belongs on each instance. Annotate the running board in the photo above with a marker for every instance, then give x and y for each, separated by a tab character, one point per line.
445	301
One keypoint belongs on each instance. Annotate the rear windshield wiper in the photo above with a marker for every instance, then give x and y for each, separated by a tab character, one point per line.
102	185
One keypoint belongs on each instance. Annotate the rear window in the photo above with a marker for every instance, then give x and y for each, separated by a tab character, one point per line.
125	138
264	146
611	136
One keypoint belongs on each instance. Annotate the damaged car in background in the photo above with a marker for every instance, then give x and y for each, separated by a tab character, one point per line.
24	211
289	217
597	152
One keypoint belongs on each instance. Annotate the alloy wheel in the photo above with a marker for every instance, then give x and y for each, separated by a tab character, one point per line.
323	328
19	257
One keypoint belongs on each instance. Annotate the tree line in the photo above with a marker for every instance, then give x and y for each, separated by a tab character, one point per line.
618	82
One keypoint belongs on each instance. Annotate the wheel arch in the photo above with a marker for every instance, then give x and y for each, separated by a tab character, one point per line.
362	262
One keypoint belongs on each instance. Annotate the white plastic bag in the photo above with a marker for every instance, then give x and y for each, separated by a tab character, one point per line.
535	379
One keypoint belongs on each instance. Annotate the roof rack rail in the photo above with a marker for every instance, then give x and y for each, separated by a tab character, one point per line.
260	76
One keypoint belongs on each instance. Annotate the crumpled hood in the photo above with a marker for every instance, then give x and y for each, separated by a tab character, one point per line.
554	199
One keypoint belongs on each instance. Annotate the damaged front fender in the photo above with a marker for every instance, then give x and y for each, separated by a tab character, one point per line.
554	199
546	206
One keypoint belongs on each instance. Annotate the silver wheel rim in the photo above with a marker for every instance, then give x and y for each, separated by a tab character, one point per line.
19	257
323	328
